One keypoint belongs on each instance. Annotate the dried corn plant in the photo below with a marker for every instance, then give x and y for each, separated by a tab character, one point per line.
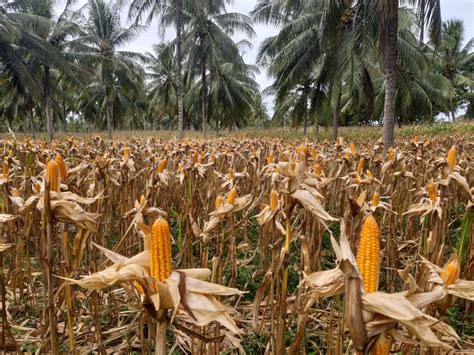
237	245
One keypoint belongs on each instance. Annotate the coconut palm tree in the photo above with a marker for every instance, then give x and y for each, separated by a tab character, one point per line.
44	38
155	9
379	19
207	39
162	86
98	48
455	61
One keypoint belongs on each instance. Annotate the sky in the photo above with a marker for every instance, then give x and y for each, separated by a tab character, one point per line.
460	9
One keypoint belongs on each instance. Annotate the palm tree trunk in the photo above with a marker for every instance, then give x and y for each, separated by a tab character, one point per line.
316	125
31	117
305	111
48	103
335	116
204	97
390	59
64	116
179	77
110	112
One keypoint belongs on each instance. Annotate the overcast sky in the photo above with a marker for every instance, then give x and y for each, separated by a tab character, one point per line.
461	9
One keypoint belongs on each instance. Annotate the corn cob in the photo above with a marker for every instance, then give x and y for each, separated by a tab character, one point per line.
369	174
52	175
314	153
382	345
318	170
160	250
62	167
391	154
353	148
162	166
360	166
375	199
5	169
126	152
431	191
142	200
368	253
451	158
219	201
273	200
231	196
231	174
270	158
451	271
306	151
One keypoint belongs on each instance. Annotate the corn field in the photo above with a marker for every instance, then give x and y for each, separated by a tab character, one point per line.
237	245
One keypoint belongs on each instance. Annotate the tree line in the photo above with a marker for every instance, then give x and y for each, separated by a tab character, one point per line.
333	62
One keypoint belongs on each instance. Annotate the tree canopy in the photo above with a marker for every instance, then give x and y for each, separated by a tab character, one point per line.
332	63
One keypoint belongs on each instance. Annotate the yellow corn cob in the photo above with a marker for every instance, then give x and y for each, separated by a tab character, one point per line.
432	191
375	199
219	201
52	175
160	250
62	167
368	253
142	200
369	174
382	345
231	174
270	158
391	154
231	196
451	271
195	156
5	169
306	151
314	153
318	170
451	158
10	153
162	166
298	151
273	200
126	152
353	148
360	166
